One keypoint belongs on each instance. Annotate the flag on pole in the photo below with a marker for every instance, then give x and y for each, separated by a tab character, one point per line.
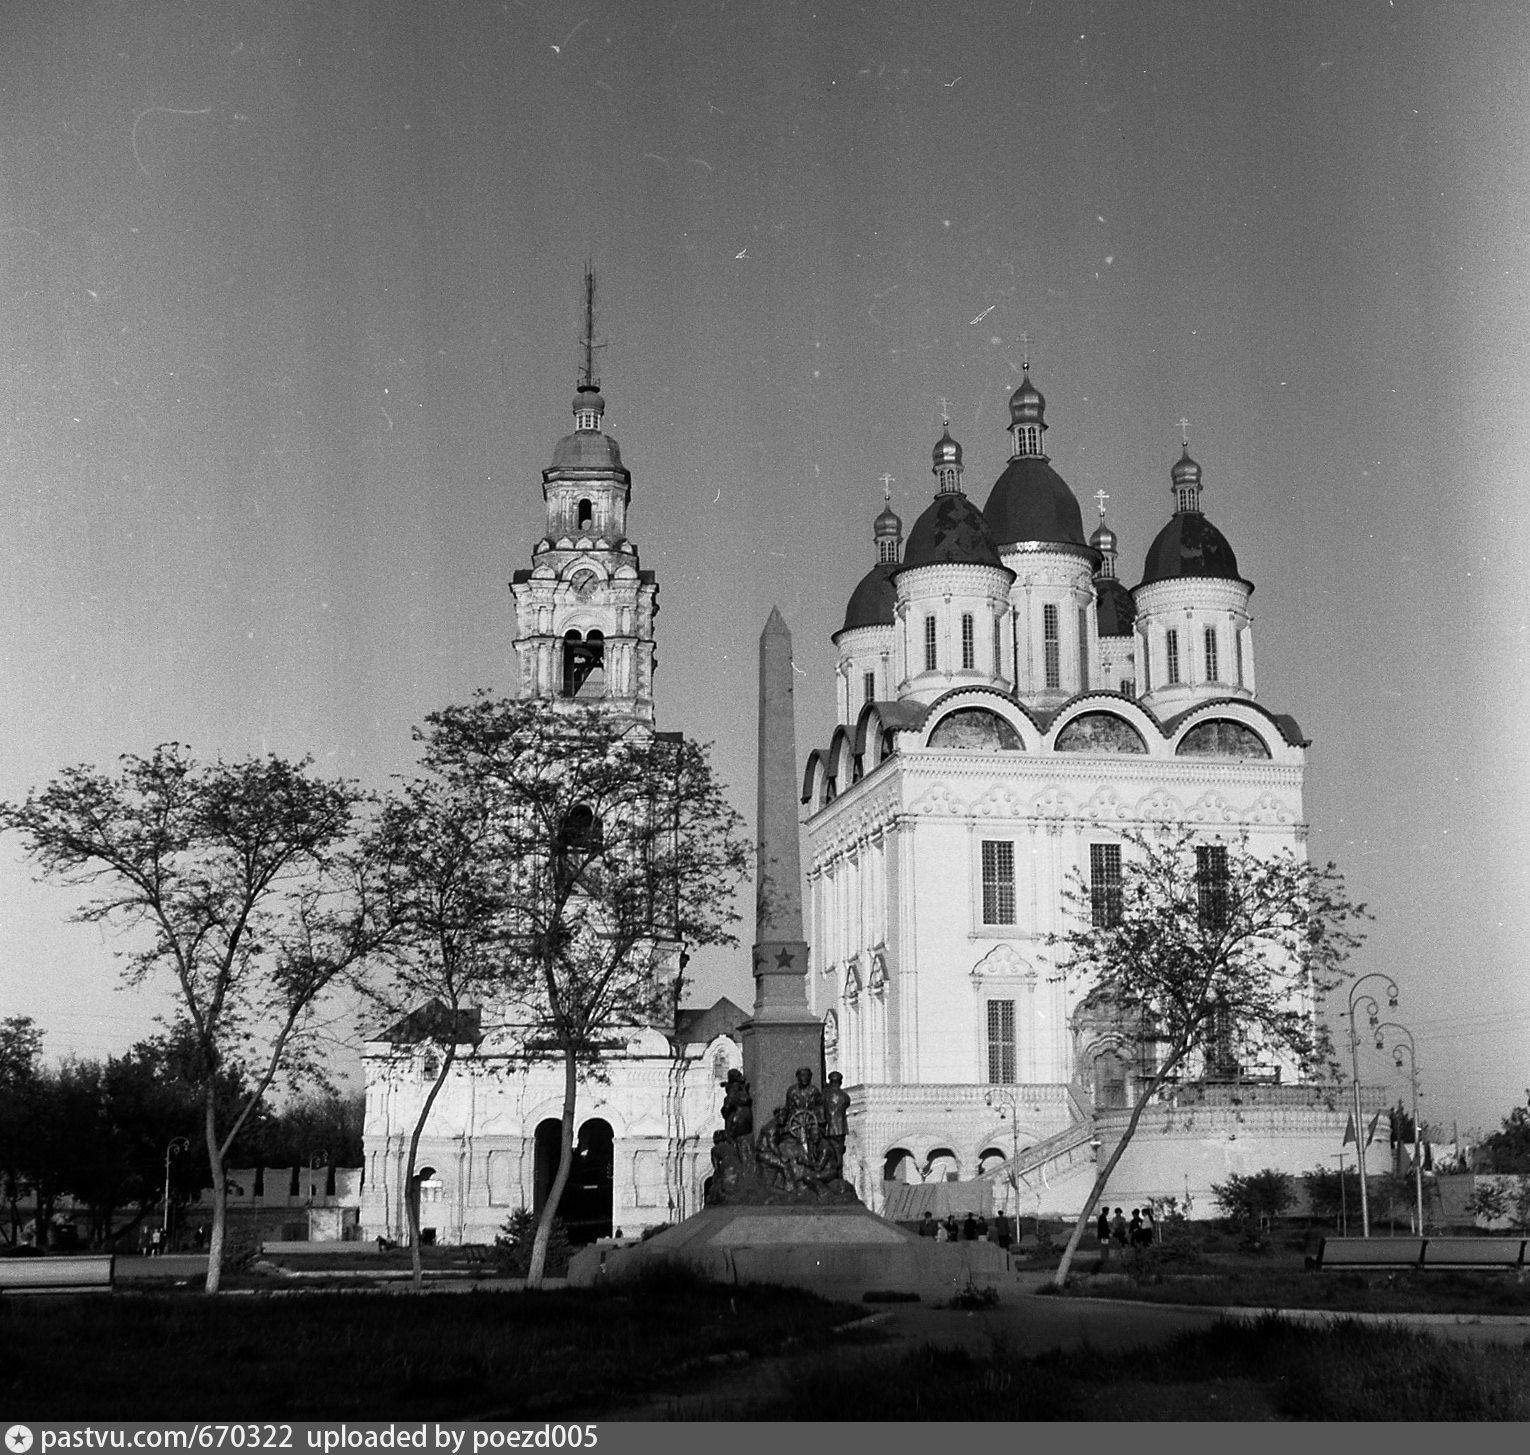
1370	1135
1349	1130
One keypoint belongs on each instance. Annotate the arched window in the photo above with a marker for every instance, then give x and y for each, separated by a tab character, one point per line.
974	728
1051	645
1222	738
1100	734
586	514
580	840
584	669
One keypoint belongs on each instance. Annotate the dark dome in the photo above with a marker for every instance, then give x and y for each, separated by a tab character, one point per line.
1116	609
589	397
586	449
1103	539
873	600
1189	545
1032	502
951	531
887	523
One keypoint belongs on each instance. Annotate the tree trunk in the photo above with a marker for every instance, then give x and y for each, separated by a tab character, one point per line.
1080	1227
219	1237
560	1181
411	1186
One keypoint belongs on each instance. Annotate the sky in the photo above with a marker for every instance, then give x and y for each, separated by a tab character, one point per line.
289	321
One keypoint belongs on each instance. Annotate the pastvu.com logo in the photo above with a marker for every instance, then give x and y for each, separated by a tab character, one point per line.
18	1440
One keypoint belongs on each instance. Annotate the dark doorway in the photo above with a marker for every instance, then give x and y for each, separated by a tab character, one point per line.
585	1208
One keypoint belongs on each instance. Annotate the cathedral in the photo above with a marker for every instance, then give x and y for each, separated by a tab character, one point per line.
1008	709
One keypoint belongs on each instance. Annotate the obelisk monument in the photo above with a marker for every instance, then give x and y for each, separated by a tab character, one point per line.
783	1034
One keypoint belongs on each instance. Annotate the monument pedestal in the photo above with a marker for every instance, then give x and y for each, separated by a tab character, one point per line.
834	1248
783	1034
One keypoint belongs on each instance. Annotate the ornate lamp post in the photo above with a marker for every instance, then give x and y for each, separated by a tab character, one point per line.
1373	1011
1418	1161
173	1147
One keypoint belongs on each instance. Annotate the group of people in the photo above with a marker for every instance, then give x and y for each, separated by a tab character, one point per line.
800	1148
1138	1233
973	1228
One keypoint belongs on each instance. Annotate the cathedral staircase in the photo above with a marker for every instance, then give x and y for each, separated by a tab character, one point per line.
1042	1169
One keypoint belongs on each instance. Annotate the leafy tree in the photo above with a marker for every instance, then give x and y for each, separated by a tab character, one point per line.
1489	1202
1215	957
618	852
443	899
1255	1197
327	1125
1508	1149
228	876
20	1070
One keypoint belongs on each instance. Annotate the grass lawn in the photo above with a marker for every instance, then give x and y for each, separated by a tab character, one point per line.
1278	1280
378	1355
1261	1370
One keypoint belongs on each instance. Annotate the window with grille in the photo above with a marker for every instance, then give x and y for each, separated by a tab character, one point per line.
969	650
1083	649
1211	654
929	644
1104	885
1211	883
1238	649
1171	655
998	882
869	686
1001	1041
998	665
1051	645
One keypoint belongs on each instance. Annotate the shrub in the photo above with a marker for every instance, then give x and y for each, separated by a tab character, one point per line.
514	1242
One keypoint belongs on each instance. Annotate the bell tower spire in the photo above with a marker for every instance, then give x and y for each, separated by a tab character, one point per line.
584	612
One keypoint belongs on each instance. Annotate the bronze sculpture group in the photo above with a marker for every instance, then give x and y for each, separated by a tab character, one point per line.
798	1154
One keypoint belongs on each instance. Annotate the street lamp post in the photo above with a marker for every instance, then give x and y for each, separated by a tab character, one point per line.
1014	1161
1418	1161
173	1147
1373	1011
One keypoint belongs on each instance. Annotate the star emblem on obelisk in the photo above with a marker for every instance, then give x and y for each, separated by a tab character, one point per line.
784	960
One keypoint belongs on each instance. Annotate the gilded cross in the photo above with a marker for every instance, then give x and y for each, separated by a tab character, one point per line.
887	486
1102	497
1025	351
1184	432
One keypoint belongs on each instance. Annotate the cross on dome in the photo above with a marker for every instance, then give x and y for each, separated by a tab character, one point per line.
1184	432
887	486
1102	497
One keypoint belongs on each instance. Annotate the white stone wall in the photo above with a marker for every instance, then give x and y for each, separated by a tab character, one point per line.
480	1137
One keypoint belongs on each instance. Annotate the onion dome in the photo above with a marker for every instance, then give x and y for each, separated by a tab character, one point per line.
887	531
1104	541
952	531
1027	405
1189	545
946	451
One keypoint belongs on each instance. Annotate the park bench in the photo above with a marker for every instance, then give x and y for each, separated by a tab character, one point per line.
1488	1254
70	1273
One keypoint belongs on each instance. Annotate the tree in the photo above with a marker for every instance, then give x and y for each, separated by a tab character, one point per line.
228	876
1256	1197
619	853
1508	1149
20	1070
1215	955
443	896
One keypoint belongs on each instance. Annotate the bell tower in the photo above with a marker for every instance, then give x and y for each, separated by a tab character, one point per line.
585	609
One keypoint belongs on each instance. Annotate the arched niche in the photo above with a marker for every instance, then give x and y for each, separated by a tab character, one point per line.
1221	737
1100	734
975	729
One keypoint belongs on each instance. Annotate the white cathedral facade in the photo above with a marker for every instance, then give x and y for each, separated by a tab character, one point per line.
1007	711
